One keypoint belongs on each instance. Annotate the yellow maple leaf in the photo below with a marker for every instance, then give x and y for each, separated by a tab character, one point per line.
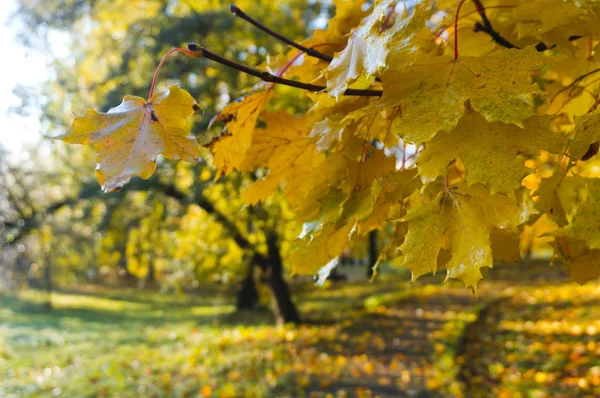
584	224
309	256
342	179
584	267
240	117
432	91
367	49
582	262
492	153
128	138
586	132
286	149
460	221
537	17
559	196
505	245
365	52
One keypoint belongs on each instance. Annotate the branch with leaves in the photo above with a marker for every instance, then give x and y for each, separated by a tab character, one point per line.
479	121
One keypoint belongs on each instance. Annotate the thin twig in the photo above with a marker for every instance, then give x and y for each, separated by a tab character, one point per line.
456	16
487	27
197	51
310	51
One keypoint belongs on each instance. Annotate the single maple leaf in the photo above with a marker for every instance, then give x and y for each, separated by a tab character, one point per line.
365	53
538	17
461	221
371	41
581	261
584	267
587	131
231	148
128	138
432	91
309	255
560	195
490	152
584	224
286	149
505	245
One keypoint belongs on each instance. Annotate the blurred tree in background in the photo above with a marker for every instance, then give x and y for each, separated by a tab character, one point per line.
184	224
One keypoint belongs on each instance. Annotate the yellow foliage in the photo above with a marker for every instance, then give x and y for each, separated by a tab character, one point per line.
500	101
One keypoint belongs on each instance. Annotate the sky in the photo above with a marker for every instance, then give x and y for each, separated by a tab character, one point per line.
18	66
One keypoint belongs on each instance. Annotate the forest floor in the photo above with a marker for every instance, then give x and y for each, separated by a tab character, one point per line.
528	332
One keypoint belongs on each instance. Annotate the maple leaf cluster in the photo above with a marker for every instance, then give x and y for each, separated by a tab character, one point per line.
485	135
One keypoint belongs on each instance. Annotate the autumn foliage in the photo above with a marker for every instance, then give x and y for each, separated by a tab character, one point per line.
459	126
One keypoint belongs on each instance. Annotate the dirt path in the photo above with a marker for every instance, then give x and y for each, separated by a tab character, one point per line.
540	341
433	341
404	347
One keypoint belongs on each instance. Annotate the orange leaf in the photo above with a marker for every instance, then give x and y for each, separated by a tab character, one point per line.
206	391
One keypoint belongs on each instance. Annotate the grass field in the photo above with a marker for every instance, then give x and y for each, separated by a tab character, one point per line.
528	333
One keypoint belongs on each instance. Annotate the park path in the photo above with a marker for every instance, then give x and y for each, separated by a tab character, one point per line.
541	341
403	346
418	344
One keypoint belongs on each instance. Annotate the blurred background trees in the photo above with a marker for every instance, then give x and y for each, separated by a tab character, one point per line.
184	225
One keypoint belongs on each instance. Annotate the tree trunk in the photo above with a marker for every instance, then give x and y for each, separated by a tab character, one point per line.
373	253
124	264
283	306
151	277
48	283
247	297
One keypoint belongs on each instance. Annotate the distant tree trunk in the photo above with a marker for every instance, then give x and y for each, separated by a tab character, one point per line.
151	277
247	297
124	264
48	283
373	253
283	306
272	266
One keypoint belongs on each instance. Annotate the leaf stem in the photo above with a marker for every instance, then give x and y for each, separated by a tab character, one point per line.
387	19
197	51
456	29
310	51
162	61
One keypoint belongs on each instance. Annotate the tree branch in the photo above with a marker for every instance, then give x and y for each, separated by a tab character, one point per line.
236	234
309	51
486	27
197	51
90	190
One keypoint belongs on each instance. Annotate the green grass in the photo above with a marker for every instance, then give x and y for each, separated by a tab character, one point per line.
382	339
91	345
